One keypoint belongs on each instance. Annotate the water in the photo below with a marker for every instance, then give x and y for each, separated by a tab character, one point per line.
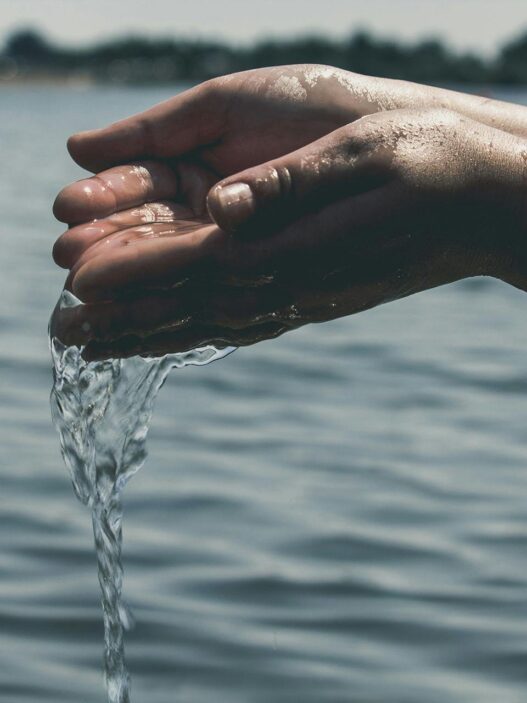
102	411
336	516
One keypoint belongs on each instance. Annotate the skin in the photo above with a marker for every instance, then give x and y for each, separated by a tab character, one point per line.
383	207
231	123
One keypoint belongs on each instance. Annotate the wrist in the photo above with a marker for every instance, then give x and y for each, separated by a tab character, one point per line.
511	234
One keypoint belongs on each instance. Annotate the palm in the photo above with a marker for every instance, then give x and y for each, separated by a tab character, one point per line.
157	247
147	229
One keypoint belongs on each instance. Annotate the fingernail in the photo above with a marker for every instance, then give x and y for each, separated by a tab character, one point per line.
236	204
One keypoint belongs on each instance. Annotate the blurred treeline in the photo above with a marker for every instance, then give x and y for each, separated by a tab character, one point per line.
28	54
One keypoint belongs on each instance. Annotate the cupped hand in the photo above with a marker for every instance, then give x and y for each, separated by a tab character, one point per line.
387	206
231	123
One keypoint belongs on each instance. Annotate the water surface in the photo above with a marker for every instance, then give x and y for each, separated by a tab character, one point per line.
336	516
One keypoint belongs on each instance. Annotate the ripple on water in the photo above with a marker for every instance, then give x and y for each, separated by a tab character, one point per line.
341	510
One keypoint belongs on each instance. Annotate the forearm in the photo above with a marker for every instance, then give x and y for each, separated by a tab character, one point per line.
502	180
394	94
508	117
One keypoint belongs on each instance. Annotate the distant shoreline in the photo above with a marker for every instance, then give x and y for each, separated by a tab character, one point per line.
35	80
29	57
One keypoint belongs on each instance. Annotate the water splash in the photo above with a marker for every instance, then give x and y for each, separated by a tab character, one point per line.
102	411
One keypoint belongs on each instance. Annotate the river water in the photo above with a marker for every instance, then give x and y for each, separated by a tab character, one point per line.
336	516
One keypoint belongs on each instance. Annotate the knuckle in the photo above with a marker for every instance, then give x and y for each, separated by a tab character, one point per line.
442	119
208	89
361	136
283	180
274	180
444	115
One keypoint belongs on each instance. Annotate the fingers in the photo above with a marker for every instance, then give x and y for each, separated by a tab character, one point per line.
150	219
191	120
175	321
216	305
116	189
300	182
233	318
107	322
181	341
360	263
124	261
131	259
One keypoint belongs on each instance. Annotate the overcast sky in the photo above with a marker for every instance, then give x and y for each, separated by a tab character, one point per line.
466	24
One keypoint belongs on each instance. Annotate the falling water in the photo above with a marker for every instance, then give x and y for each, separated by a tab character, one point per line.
102	411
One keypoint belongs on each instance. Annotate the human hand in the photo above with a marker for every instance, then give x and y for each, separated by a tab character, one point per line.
387	206
233	121
230	123
197	138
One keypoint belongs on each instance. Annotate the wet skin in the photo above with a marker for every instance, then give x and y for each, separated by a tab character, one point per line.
375	209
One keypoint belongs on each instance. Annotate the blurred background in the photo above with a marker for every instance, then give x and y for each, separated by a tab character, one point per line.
160	41
336	516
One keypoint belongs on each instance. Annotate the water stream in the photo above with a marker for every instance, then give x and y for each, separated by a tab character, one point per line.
102	411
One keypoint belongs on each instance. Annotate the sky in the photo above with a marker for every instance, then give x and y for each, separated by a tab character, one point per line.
480	25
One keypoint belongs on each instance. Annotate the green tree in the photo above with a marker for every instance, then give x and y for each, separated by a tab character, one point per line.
512	62
28	46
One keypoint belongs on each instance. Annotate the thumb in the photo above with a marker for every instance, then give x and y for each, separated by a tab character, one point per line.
281	190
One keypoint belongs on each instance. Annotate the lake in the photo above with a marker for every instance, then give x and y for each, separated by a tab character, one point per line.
336	516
